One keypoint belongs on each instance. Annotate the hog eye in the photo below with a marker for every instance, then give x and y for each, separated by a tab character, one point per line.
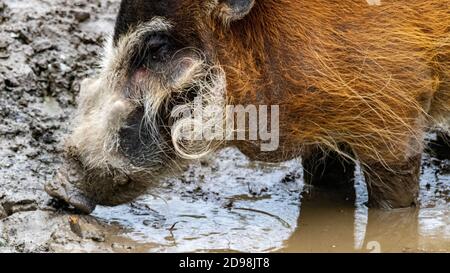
153	51
158	47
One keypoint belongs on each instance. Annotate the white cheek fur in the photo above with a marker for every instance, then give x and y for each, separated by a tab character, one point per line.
104	108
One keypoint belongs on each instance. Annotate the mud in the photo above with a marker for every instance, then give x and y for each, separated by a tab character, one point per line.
220	204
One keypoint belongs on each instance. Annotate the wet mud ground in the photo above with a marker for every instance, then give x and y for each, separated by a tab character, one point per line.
220	204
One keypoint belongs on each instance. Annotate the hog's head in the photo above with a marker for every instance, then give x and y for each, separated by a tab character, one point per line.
125	135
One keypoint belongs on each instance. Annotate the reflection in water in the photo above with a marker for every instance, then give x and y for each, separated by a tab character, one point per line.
232	204
327	226
393	230
330	222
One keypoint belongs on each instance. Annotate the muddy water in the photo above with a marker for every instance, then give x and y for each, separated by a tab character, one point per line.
231	204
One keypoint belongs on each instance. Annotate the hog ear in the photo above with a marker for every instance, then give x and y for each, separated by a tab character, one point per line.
232	10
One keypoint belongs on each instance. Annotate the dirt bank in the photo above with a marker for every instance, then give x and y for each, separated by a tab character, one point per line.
46	48
224	203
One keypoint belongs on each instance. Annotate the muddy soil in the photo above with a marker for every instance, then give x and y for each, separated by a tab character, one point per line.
220	204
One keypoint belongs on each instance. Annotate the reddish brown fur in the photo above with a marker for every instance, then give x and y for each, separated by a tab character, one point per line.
373	77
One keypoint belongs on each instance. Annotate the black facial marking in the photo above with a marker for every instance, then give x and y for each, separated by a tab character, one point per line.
159	46
137	143
133	12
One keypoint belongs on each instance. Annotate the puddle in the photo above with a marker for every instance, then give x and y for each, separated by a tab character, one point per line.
224	205
231	204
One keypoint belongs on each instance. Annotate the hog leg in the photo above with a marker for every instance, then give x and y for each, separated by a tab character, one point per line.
329	170
395	185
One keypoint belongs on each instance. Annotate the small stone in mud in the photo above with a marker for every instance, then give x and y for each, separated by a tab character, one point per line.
85	230
75	225
81	16
42	45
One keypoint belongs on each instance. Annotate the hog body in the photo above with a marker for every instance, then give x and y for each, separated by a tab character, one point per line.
354	81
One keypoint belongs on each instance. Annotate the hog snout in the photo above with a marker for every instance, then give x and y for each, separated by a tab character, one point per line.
94	170
64	187
84	189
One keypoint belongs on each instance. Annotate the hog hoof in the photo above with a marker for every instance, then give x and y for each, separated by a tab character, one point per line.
61	189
